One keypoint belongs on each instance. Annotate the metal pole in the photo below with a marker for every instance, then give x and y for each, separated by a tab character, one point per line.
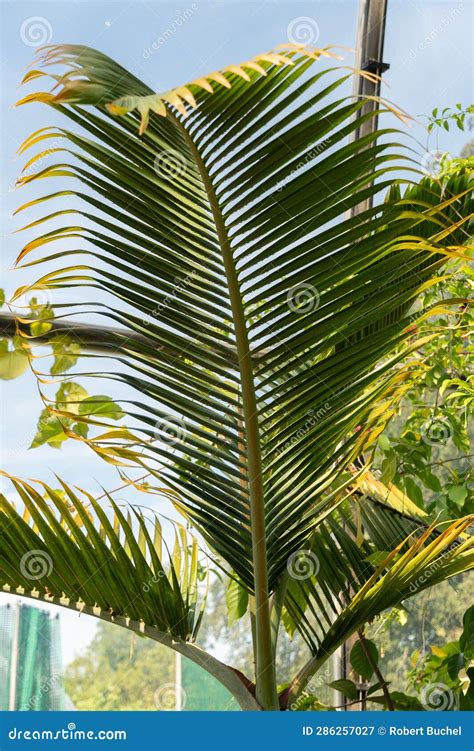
369	57
101	340
179	682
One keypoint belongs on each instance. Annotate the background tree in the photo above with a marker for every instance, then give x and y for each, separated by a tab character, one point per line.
119	672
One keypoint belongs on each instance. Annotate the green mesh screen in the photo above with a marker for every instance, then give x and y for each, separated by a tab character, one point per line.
202	692
38	667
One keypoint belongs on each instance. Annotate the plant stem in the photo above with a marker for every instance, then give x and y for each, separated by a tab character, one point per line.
377	671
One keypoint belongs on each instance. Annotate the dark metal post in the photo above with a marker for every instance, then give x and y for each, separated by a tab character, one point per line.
369	57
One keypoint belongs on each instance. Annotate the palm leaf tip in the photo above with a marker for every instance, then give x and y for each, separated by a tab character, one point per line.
88	80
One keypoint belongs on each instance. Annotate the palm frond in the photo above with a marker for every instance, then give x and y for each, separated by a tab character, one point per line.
351	588
359	542
66	547
208	230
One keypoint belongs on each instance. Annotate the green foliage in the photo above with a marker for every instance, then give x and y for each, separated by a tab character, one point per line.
100	558
119	672
413	664
65	415
402	702
448	116
449	166
39	317
466	641
13	359
101	405
50	428
66	353
363	663
426	449
71	400
346	687
237	601
441	678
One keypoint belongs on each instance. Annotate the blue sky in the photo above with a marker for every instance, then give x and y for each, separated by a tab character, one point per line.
428	45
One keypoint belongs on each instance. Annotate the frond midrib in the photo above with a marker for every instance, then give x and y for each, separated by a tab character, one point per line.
265	662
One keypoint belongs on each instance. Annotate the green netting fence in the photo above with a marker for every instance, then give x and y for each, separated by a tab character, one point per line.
31	668
202	692
30	659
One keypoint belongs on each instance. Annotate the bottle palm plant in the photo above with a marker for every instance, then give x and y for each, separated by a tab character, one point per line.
266	335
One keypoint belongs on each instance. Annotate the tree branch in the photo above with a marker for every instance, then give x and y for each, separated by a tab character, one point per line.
102	340
377	671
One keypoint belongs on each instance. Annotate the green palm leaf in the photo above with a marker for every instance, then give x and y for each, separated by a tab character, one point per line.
351	588
115	562
344	553
221	232
214	218
66	549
